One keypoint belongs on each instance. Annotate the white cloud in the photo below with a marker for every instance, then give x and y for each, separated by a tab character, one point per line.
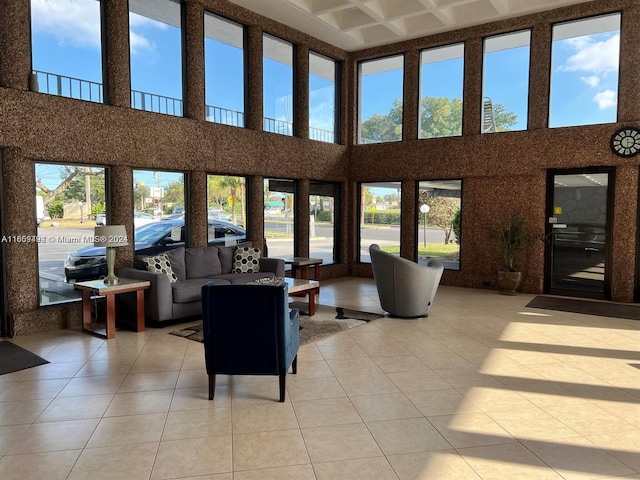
597	57
592	80
605	99
74	23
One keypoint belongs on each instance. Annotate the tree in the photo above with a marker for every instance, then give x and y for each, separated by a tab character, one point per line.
74	178
174	193
442	213
439	117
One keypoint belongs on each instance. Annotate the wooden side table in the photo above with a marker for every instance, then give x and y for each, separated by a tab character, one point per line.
303	264
98	287
311	288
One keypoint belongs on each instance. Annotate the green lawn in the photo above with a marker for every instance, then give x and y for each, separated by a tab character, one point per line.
449	252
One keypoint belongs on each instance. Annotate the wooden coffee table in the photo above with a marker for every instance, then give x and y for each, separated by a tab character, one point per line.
98	287
303	264
305	287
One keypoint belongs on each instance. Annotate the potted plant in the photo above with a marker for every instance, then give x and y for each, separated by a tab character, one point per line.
510	236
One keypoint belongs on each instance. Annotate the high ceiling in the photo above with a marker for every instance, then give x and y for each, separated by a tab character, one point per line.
357	24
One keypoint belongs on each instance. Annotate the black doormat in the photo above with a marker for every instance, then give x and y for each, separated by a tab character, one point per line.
588	307
14	358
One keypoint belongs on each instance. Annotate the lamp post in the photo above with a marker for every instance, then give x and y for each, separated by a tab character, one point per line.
80	203
424	208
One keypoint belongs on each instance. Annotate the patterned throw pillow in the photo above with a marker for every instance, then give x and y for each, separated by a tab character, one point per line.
160	264
245	260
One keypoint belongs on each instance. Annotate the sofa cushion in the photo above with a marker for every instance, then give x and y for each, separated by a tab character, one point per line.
160	264
176	257
190	290
246	260
240	278
226	255
202	262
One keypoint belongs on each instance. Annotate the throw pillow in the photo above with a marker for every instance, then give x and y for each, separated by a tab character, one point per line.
245	260
160	264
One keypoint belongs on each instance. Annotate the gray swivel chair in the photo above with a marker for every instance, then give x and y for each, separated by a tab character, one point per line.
405	288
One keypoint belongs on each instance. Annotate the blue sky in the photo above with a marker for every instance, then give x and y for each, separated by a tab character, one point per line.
66	40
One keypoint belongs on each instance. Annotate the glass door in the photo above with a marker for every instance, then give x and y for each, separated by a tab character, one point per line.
578	226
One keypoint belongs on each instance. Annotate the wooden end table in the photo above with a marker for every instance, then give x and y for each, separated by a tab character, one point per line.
305	287
304	264
98	287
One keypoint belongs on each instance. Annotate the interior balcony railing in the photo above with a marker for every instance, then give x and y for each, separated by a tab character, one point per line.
321	135
63	86
225	116
278	126
151	102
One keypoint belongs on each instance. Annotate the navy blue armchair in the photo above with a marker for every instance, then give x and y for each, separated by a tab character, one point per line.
249	330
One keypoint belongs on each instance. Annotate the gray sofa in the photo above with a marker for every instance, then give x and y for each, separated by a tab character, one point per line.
405	288
193	267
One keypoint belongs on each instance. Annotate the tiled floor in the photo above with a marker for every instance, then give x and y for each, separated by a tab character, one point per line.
482	388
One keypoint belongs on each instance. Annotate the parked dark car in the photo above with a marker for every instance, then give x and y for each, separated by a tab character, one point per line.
89	263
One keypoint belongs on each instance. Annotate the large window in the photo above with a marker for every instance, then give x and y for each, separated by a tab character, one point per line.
380	85
505	82
441	83
439	222
277	85
67	48
156	56
224	70
227	209
69	199
279	216
584	71
324	205
379	217
322	98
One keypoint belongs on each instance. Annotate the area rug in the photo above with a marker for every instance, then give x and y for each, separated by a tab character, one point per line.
587	307
325	322
14	358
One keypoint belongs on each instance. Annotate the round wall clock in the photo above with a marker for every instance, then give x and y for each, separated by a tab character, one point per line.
626	142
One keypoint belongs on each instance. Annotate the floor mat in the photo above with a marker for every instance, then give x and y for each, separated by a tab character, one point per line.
14	358
587	307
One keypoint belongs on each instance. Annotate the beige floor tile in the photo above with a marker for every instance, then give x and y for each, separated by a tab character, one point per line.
55	436
470	430
441	465
501	462
95	385
193	457
532	424
106	368
359	469
25	412
245	394
577	458
196	377
133	462
367	384
410	435
309	353
52	371
263	418
389	406
399	363
418	381
268	449
441	402
140	382
625	446
496	399
33	390
313	369
353	366
9	434
547	394
340	442
137	403
589	419
384	348
128	430
38	466
76	408
197	423
314	388
327	411
295	472
198	398
341	350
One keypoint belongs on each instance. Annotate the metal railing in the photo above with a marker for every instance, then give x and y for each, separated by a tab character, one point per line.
225	116
151	102
321	135
278	126
69	87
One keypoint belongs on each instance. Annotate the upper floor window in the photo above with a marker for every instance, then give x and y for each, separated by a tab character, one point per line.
67	48
224	70
380	85
505	82
441	82
322	98
585	56
277	85
156	56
